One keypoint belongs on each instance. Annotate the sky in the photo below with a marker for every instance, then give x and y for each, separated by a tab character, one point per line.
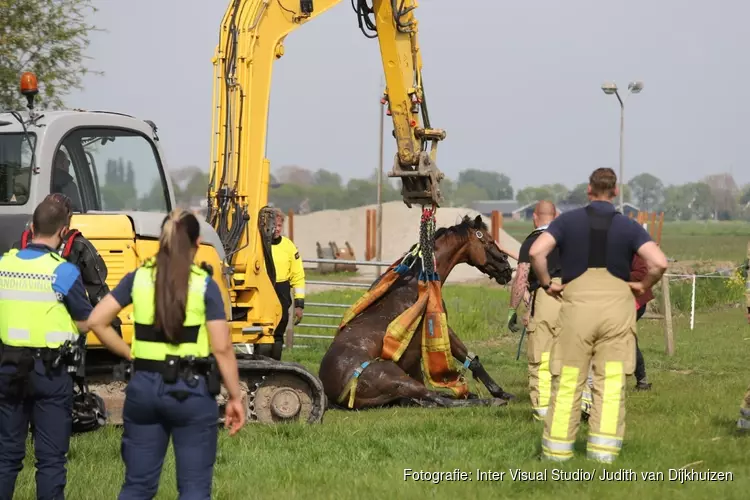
516	86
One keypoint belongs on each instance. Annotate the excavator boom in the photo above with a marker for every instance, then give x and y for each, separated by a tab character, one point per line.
251	39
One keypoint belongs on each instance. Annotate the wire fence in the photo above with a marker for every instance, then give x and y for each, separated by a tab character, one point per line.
724	274
327	305
308	328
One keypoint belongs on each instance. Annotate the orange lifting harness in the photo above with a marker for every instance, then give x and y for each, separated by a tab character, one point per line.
438	365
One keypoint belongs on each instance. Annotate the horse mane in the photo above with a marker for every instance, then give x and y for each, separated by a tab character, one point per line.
460	230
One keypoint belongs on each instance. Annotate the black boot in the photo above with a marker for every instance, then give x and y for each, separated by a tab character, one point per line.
278	346
643	385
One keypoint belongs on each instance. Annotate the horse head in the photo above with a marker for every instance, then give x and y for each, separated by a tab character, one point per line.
474	245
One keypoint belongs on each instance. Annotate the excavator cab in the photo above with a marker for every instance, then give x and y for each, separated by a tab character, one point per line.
112	168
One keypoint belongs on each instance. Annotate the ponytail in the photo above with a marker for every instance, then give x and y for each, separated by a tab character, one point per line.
178	240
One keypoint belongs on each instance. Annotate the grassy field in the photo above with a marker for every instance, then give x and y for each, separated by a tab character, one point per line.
688	418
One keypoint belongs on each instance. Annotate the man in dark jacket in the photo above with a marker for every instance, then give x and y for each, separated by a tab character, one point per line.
638	271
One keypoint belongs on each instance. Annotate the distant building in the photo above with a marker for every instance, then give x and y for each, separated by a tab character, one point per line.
486	207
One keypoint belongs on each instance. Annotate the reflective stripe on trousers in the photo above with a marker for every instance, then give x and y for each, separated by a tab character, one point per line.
596	333
540	336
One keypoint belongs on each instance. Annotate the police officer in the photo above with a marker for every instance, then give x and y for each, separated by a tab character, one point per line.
744	421
543	313
290	275
43	307
78	250
597	318
179	320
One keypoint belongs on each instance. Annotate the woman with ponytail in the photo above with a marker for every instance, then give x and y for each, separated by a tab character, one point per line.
180	326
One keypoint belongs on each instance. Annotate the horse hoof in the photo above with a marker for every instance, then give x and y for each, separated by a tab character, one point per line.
505	395
498	402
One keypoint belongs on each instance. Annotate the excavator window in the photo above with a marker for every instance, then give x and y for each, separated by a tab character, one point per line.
15	168
118	170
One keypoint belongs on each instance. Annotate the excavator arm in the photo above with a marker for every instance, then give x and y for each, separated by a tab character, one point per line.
251	39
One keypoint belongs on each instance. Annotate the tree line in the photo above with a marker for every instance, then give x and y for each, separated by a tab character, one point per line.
714	197
302	190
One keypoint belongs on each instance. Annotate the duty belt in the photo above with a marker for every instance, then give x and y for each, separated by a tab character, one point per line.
67	355
188	368
23	358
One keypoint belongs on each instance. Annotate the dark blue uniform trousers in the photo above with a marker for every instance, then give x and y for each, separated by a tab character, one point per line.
151	415
49	406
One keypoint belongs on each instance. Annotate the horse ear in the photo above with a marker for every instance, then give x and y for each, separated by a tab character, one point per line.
478	221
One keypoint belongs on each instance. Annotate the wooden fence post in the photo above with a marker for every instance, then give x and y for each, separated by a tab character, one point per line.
496	225
368	232
290	226
658	232
373	233
668	331
652	226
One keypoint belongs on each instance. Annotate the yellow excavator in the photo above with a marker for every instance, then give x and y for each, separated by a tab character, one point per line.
112	167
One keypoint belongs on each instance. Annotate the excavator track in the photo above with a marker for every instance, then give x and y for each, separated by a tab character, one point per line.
274	391
279	391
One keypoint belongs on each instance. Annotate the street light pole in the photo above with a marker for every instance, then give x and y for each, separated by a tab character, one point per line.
379	222
622	153
611	88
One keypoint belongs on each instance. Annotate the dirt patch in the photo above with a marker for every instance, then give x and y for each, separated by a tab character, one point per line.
700	266
113	395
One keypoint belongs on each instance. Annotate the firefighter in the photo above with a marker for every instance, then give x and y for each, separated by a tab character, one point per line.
290	275
543	312
743	422
179	319
43	307
597	318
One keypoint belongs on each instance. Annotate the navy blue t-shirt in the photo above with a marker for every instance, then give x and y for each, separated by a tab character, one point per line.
571	232
123	294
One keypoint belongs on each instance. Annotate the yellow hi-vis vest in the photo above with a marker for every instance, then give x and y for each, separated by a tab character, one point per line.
154	345
31	312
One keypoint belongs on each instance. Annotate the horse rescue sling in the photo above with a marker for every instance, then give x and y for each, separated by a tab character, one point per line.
438	365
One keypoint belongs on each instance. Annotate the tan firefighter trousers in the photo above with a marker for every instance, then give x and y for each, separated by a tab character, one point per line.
744	421
596	328
541	325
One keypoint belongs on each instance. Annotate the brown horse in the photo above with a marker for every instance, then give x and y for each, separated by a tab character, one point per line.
386	382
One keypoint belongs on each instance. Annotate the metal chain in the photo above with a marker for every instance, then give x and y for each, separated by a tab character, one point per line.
427	240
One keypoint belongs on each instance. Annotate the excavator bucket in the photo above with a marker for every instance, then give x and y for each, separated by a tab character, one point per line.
343	254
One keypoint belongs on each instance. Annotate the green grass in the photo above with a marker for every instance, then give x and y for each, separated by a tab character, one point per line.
688	418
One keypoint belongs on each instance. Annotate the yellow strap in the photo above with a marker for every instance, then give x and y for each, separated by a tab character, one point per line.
350	388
